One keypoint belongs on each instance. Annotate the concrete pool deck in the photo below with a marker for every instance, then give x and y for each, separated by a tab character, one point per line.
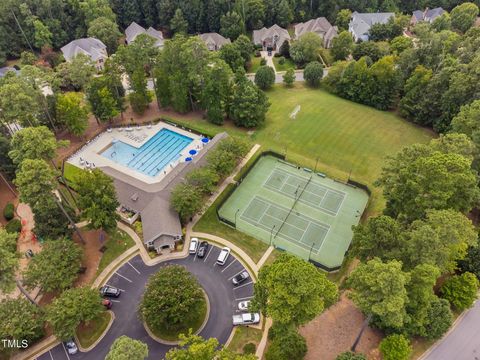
92	151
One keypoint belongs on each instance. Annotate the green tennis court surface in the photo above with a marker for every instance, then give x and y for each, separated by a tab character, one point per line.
296	210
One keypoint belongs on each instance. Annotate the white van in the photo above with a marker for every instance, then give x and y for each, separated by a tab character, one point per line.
193	246
223	256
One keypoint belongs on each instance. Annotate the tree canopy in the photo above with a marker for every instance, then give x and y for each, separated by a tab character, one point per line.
125	348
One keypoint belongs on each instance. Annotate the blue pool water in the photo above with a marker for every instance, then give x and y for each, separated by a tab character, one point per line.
153	156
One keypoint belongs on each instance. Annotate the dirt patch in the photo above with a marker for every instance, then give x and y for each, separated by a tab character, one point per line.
91	254
334	332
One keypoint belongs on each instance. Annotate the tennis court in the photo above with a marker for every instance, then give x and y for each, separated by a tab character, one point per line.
296	210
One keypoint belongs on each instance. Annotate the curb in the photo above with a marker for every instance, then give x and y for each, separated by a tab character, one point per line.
82	349
173	343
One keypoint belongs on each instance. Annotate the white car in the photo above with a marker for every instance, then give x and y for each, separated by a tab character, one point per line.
223	256
243	305
193	246
71	347
246	319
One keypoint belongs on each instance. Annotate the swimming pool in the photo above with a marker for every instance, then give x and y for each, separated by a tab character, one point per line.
153	156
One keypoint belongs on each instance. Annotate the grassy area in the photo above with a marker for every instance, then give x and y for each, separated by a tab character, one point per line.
273	256
70	172
244	335
288	64
210	224
117	243
89	332
171	335
254	64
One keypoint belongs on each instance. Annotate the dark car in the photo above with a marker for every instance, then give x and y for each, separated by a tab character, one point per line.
109	291
202	249
107	303
238	279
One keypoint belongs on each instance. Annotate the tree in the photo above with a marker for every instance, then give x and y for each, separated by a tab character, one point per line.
463	16
178	24
265	77
385	31
94	9
171	299
401	43
439	319
50	221
231	25
286	343
140	97
305	49
461	290
395	347
72	113
466	121
76	74
291	290
106	31
97	199
28	58
367	48
125	348
379	290
471	262
217	91
245	46
55	267
232	56
35	180
34	143
7	167
442	22
103	99
289	77
19	319
285	50
248	104
43	36
71	308
342	19
8	260
415	86
313	73
342	46
186	199
204	179
350	356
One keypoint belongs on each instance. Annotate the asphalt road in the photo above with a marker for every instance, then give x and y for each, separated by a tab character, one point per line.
463	342
131	279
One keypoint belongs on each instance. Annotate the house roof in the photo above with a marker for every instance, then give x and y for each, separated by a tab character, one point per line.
91	47
429	14
361	22
6	69
214	38
266	33
320	26
133	30
152	201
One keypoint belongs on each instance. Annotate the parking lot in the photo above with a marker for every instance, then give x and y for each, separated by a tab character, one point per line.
131	278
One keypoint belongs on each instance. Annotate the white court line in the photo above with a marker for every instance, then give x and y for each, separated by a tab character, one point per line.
238	287
66	352
138	272
123	277
117	301
234	260
230	278
206	257
51	356
244	298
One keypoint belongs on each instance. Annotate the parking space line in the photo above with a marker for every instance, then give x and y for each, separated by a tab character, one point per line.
244	298
234	260
123	277
230	278
114	300
66	353
51	356
206	257
238	287
195	257
133	267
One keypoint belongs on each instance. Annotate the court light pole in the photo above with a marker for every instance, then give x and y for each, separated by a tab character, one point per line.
271	234
310	253
236	212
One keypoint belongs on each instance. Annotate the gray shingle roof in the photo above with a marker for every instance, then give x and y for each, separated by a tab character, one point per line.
91	47
6	69
360	23
264	34
133	30
214	39
428	14
320	26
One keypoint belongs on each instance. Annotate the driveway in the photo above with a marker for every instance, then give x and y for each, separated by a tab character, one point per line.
463	342
131	279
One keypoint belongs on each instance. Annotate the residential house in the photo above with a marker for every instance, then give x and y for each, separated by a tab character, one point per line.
428	15
271	38
214	41
133	30
360	23
6	69
320	26
91	47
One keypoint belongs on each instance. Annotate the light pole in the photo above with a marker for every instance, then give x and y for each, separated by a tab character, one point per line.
236	212
364	326
310	253
271	234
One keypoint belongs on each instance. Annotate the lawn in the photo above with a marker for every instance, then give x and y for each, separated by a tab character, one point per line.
254	64
244	335
70	172
288	64
89	332
118	242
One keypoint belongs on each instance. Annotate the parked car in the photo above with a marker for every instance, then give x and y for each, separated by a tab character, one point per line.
202	249
246	319
239	278
107	303
109	291
223	256
193	246
243	305
71	347
29	253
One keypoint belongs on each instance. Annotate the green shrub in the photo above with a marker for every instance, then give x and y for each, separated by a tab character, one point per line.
257	53
461	290
277	55
249	348
8	212
395	347
348	355
286	343
281	60
14	226
263	62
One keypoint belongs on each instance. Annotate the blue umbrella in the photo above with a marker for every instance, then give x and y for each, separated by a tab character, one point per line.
205	140
192	152
188	159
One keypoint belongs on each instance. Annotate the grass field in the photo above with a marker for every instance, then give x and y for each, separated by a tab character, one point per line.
254	64
88	333
118	242
243	336
288	64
